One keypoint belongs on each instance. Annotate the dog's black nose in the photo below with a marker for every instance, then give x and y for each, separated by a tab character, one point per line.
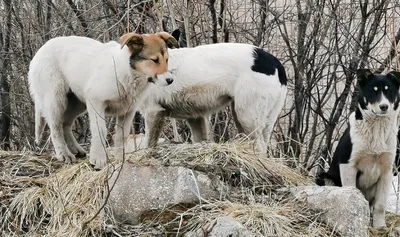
169	81
384	107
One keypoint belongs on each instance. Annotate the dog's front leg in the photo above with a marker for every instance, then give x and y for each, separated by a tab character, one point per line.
348	174
382	190
199	129
98	155
123	128
154	122
381	196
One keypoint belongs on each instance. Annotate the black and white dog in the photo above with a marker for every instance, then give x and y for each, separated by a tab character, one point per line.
209	77
366	151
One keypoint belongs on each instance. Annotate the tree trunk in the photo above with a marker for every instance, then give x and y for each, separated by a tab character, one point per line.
392	53
261	27
80	17
214	23
5	109
222	22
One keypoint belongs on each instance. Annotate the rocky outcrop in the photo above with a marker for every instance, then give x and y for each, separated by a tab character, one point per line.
142	188
343	208
225	226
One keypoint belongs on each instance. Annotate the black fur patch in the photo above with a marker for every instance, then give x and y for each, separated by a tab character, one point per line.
358	114
341	156
359	173
134	59
266	63
181	40
396	166
72	98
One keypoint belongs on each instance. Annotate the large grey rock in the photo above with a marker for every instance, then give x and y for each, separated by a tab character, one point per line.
139	189
225	226
344	208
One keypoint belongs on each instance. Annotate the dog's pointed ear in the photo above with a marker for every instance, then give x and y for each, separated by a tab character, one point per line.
134	42
169	40
176	34
363	74
395	75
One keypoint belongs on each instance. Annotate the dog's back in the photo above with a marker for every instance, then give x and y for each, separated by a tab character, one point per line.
218	70
71	59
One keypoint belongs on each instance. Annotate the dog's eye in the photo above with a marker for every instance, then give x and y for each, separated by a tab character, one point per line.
375	88
386	88
155	60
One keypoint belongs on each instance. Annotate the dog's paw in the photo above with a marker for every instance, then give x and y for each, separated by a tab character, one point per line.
98	159
66	157
78	151
379	224
80	154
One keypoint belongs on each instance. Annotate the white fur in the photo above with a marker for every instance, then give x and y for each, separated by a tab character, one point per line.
99	74
374	141
209	77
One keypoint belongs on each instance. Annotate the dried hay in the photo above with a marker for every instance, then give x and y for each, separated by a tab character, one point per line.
393	224
273	218
40	196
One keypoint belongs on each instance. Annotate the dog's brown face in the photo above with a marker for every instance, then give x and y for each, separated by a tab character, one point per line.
149	54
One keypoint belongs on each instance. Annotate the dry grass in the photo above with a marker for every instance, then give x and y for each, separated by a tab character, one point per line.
393	230
40	196
272	218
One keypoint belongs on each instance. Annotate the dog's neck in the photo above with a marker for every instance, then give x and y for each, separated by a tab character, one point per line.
126	76
374	133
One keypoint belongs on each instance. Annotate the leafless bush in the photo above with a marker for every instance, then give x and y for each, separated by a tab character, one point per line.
320	42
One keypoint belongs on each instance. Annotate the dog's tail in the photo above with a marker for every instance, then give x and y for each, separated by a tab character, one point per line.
40	124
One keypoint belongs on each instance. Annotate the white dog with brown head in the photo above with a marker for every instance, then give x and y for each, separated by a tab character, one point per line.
69	75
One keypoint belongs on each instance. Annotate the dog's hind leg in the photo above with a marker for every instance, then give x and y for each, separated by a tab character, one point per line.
74	109
348	174
54	109
98	128
40	124
235	118
198	128
272	118
122	130
252	123
154	122
257	111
